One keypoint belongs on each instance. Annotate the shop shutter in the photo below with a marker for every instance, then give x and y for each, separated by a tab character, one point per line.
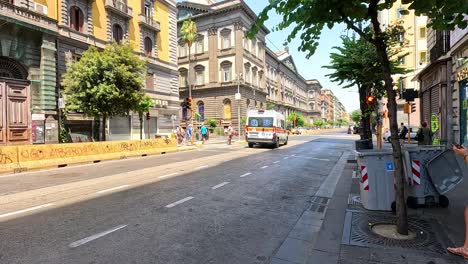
435	100
120	128
426	105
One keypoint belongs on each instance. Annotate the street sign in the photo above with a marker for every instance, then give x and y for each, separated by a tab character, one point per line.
61	103
237	96
173	117
434	122
389	166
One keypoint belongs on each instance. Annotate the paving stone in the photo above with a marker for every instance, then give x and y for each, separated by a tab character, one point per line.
280	261
322	257
294	250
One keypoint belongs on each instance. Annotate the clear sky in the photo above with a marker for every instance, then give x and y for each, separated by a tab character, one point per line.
311	68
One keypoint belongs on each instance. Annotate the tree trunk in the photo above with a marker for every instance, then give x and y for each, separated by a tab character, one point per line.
140	115
104	125
365	117
381	48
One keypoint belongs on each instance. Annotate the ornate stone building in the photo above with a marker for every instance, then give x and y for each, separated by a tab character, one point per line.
38	38
224	60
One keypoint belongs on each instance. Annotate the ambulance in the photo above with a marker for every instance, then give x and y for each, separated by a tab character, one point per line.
265	127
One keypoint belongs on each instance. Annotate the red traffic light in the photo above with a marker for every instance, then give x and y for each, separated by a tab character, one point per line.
370	99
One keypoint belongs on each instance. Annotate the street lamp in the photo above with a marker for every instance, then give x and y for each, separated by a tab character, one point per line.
238	99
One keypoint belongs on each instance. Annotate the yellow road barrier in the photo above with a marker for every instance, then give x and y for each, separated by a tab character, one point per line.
26	157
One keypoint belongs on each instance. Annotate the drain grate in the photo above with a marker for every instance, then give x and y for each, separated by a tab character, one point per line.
354	199
318	204
357	232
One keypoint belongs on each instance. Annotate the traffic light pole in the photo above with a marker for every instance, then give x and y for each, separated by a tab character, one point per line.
409	131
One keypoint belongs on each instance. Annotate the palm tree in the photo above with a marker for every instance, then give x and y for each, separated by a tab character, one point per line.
189	34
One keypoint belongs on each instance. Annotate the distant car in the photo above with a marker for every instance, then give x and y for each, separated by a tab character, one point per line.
412	130
297	131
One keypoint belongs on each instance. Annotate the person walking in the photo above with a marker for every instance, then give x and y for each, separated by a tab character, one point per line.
180	135
403	131
230	134
463	250
424	135
204	133
189	134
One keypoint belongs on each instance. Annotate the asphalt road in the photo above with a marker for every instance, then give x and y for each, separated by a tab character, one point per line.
218	204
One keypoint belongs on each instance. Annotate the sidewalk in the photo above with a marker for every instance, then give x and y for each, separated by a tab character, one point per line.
345	235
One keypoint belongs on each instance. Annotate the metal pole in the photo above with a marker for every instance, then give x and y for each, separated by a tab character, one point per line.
238	109
409	132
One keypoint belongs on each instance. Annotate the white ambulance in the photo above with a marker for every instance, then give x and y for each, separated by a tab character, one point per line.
266	127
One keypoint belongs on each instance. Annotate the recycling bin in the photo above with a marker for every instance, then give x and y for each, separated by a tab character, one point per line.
377	179
421	190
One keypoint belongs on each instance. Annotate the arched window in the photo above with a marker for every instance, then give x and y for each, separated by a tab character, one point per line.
182	48
226	67
254	76
183	73
201	109
225	38
199	74
248	104
261	105
199	47
148	46
76	19
117	33
247	72
227	109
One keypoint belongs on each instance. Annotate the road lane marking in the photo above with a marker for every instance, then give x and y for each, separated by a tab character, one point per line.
179	202
94	237
293	155
227	160
285	158
112	189
264	167
167	175
26	210
200	167
276	162
320	159
245	174
219	185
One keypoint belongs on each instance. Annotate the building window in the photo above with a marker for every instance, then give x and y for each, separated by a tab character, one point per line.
148	12
254	47
247	72
402	60
117	33
201	110
199	47
226	38
76	19
149	82
246	43
423	56
401	37
254	76
401	12
226	67
148	46
422	32
183	77
182	50
199	75
184	113
227	109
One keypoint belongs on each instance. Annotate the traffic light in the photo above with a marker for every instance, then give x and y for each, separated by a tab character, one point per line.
148	117
189	103
184	103
413	107
370	99
406	108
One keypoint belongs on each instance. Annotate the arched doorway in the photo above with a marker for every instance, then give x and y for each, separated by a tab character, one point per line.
14	102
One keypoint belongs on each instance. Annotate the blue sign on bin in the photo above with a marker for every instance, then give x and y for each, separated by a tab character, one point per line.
389	166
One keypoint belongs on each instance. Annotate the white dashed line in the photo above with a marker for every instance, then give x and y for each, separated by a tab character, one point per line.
293	155
112	189
167	175
219	185
179	202
320	159
245	174
93	237
285	158
264	167
201	167
276	162
26	210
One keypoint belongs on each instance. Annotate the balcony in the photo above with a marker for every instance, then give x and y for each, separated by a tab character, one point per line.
149	22
31	18
119	7
441	47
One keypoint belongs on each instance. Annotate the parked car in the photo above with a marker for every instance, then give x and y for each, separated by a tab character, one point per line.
412	130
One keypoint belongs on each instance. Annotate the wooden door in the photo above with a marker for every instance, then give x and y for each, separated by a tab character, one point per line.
2	114
15	116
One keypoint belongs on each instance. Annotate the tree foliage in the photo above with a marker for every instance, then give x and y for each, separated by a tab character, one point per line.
144	106
299	121
212	123
105	83
308	18
189	32
319	123
356	116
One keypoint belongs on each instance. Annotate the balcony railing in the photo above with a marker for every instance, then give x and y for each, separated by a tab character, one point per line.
119	7
442	45
149	22
32	18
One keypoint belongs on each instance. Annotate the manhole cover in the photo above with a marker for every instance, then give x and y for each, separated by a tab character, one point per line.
357	232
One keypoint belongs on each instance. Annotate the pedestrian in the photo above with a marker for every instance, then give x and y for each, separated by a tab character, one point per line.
204	133
225	132
230	133
463	250
403	131
189	134
424	135
179	134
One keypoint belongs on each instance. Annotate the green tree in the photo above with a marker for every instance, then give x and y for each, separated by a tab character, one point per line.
300	120
143	107
319	123
105	83
212	123
308	18
189	34
356	116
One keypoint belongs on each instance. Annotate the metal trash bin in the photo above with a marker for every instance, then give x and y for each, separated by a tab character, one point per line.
421	191
377	179
446	171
